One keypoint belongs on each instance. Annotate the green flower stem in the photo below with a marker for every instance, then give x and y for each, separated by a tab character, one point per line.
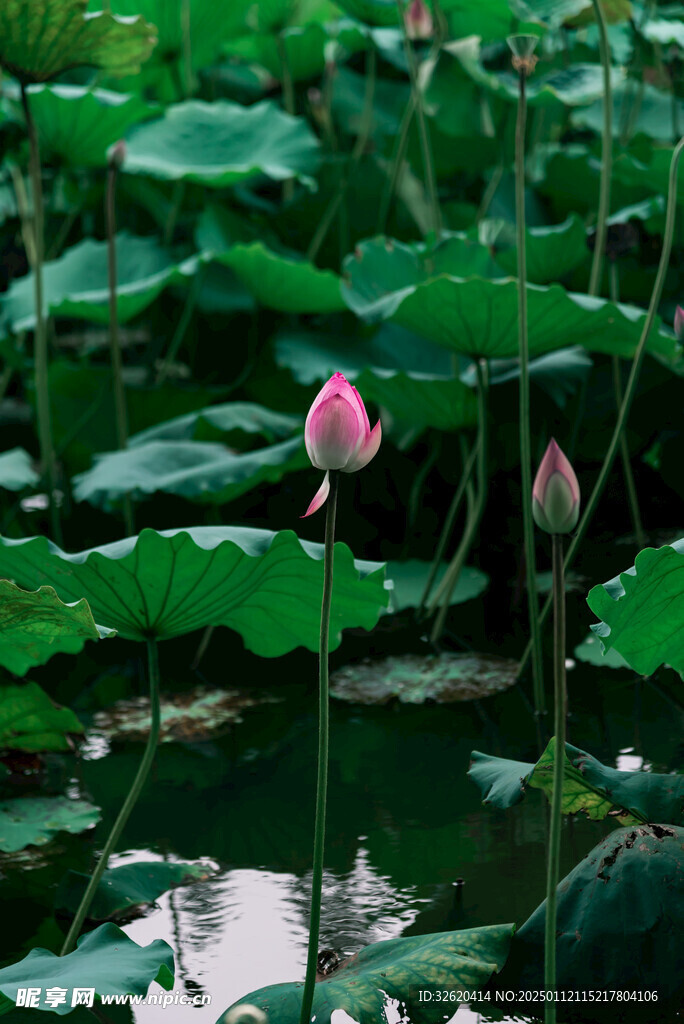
288	99
117	365
47	449
524	404
322	780
187	47
606	155
630	486
129	802
396	164
181	328
632	381
428	163
560	708
446	589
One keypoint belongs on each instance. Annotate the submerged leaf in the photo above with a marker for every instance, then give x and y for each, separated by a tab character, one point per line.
33	821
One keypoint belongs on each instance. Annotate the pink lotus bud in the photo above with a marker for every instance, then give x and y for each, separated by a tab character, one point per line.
418	20
337	433
556	493
679	323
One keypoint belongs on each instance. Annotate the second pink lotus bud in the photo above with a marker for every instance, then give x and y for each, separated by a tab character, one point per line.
556	493
679	323
418	20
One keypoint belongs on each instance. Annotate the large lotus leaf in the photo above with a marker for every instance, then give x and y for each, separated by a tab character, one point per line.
415	678
104	959
370	981
630	881
551	252
663	30
555	13
436	399
409	578
265	585
16	470
290	285
234	423
75	284
40	39
221	143
30	721
642	610
123	888
34	625
202	471
560	373
78	124
304	46
589	787
654	117
34	820
372	12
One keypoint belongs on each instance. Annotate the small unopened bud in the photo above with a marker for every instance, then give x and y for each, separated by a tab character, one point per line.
556	493
522	48
245	1014
418	20
679	323
116	155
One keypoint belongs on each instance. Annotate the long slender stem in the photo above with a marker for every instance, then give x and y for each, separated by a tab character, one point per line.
187	46
288	99
428	163
632	381
47	449
559	714
606	155
396	164
322	779
115	346
524	404
129	802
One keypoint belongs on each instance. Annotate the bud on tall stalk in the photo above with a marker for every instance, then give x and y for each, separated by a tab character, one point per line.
556	493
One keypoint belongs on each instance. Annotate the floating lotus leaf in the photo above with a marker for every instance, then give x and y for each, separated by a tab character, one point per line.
284	283
30	721
265	585
104	959
415	678
591	651
34	820
409	579
34	625
16	470
221	143
589	787
40	39
368	983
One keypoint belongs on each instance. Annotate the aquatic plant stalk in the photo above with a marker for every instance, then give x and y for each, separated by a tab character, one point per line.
323	728
560	714
129	802
47	449
606	155
524	402
288	99
632	381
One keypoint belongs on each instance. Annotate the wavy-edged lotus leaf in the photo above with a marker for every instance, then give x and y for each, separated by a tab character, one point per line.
104	959
591	651
75	284
655	116
367	983
436	399
77	124
267	586
202	471
286	283
221	143
129	886
551	251
16	470
417	678
234	423
34	820
409	579
633	876
303	46
40	39
35	625
589	787
560	373
30	721
372	12
663	30
641	610
187	716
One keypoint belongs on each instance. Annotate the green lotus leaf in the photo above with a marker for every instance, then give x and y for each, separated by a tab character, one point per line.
266	586
202	471
221	143
75	284
290	285
589	787
234	423
551	252
104	959
30	721
372	12
663	30
40	39
641	610
409	579
78	124
34	820
304	47
368	982
591	651
16	470
34	625
655	116
123	888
